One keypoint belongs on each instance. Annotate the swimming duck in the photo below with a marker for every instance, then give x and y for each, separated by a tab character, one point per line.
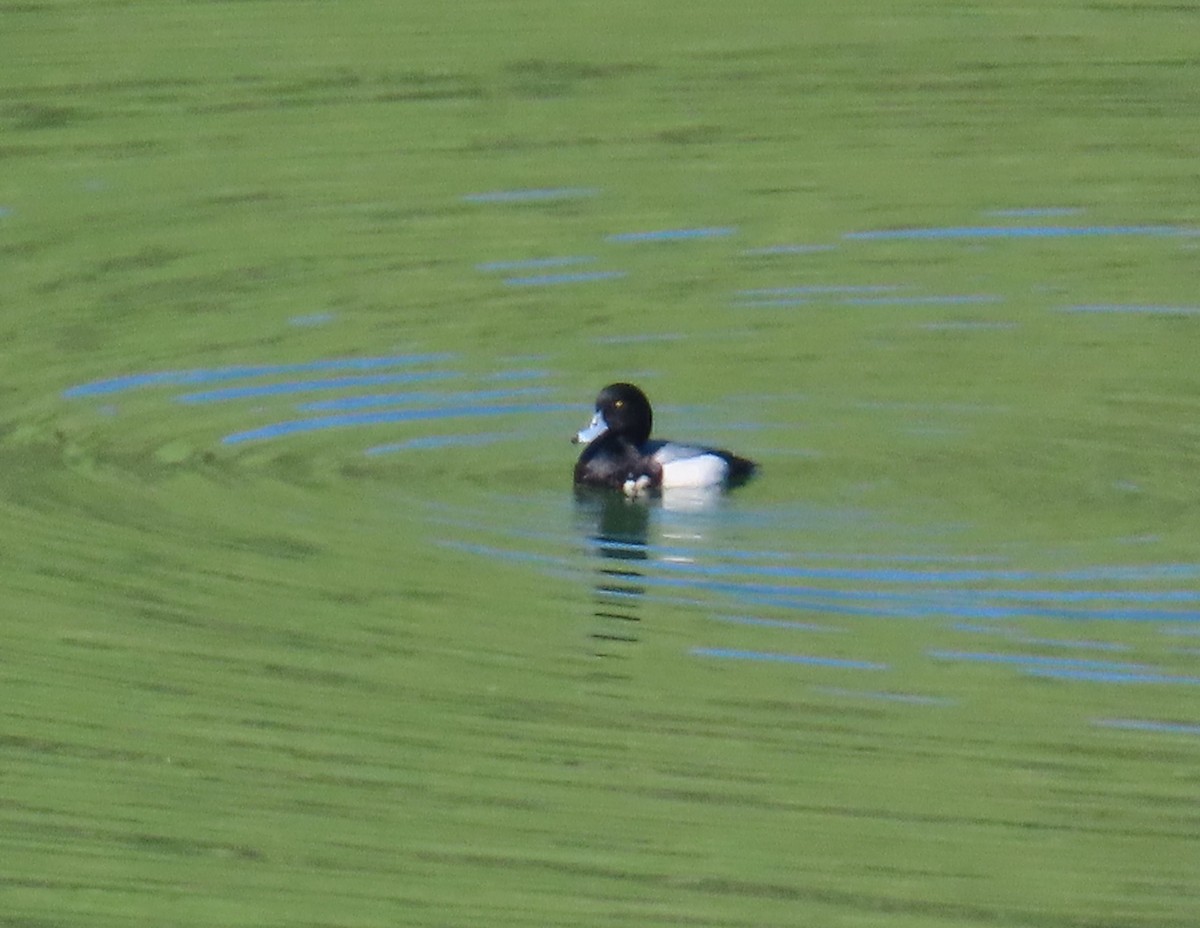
620	454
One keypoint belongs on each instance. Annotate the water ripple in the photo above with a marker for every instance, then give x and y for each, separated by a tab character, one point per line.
245	371
352	420
990	232
811	660
673	235
225	394
535	195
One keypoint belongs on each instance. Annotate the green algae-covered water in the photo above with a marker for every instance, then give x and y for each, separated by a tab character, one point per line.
303	623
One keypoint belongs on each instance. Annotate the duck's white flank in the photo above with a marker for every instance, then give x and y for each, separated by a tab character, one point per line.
690	468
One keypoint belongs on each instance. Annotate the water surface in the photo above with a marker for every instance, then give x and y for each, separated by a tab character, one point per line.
304	622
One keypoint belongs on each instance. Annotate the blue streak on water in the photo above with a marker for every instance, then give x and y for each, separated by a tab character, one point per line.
854	604
505	554
1099	615
1040	661
970	604
777	623
1133	308
800	296
911	699
788	250
930	407
1102	676
1173	728
959	576
532	196
1034	212
885	604
1181	632
292	387
987	232
548	280
955	299
922	602
1080	596
776	657
776	301
347	403
734	553
836	605
673	235
966	326
819	289
431	442
300	426
312	320
931	593
635	339
529	264
524	374
557	566
901	558
1012	635
239	372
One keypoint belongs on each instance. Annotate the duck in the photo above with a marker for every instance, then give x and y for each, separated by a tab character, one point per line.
619	453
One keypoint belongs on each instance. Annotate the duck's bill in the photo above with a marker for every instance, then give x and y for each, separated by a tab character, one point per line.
594	430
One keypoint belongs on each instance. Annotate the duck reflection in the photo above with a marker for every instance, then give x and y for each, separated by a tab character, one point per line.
624	535
615	529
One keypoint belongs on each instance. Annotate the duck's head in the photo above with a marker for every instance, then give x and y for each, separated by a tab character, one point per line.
621	409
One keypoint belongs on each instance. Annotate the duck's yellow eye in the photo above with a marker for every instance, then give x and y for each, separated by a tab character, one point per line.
619	403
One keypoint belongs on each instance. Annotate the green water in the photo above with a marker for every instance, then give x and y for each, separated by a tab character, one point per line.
283	681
